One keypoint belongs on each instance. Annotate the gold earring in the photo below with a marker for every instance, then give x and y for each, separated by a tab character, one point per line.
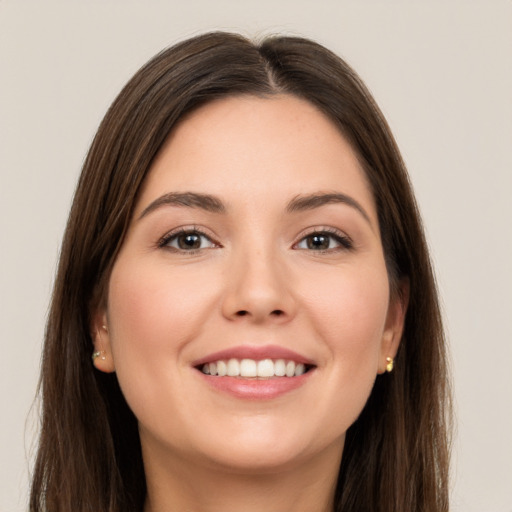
390	364
99	353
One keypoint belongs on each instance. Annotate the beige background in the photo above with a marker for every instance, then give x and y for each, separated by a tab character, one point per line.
442	73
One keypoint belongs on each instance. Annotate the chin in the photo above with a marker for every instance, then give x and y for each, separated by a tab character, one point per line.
256	450
256	460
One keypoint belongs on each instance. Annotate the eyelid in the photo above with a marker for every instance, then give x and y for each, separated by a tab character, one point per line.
201	231
346	243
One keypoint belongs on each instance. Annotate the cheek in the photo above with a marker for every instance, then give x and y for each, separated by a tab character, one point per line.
152	314
349	307
348	312
152	304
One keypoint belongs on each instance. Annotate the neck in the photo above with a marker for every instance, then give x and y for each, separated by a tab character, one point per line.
189	487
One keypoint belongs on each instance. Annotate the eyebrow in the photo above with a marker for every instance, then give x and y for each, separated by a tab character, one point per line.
188	199
213	204
309	202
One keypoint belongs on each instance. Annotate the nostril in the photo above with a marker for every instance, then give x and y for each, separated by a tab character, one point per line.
275	312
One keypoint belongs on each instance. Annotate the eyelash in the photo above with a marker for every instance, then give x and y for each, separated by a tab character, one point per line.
345	243
164	242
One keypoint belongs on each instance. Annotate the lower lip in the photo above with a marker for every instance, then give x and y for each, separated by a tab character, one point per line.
256	389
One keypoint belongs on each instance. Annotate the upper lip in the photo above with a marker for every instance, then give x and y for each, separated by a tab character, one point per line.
256	352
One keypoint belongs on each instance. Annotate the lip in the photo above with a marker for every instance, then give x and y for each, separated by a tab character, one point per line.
254	388
255	352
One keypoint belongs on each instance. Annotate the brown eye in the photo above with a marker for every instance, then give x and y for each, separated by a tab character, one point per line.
318	242
188	241
324	241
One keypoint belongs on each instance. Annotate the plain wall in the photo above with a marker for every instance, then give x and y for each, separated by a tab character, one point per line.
441	72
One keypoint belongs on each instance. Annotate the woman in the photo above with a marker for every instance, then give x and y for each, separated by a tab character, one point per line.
245	263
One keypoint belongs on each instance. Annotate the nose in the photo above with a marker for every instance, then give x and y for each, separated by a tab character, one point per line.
259	289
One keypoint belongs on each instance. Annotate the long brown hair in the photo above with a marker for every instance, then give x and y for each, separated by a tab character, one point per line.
89	456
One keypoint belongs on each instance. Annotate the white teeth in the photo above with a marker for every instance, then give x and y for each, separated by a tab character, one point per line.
299	369
290	369
233	368
280	368
266	368
250	368
222	369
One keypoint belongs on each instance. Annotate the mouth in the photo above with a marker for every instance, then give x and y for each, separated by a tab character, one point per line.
255	369
255	372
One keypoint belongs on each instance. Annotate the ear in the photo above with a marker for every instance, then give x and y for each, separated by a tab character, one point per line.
394	324
102	356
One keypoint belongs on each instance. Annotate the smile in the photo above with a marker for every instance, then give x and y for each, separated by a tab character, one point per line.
251	368
255	372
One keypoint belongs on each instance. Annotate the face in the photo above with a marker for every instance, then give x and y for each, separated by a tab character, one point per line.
254	250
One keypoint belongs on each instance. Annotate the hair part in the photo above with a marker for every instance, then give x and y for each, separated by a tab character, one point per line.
396	454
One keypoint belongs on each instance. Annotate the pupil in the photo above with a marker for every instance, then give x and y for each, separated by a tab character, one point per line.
190	241
318	242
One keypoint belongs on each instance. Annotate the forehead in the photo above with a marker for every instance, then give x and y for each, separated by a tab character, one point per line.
250	146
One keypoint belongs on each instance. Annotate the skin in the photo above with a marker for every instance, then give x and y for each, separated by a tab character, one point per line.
254	281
